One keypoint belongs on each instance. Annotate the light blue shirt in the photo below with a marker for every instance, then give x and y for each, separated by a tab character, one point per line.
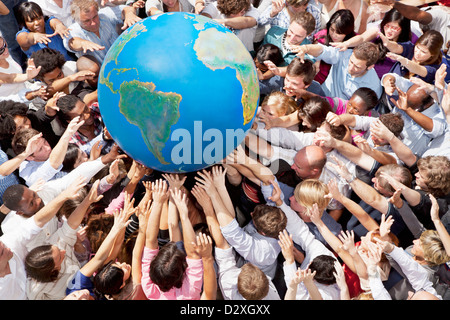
110	21
339	82
414	136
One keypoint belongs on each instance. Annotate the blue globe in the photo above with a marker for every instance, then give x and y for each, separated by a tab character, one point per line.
178	92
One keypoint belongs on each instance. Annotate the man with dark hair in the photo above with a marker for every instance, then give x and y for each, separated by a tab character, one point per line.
57	74
71	106
297	80
299	29
46	162
352	68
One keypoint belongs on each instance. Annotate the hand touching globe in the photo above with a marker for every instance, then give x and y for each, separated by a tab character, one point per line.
178	92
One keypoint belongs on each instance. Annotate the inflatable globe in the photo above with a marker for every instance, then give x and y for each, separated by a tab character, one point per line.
178	92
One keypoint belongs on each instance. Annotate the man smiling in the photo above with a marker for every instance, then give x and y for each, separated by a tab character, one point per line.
351	69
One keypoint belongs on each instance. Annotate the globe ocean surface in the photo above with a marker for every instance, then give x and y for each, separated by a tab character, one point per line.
178	92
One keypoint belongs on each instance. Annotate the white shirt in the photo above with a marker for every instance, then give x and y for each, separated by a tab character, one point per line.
50	8
12	286
228	274
260	250
328	292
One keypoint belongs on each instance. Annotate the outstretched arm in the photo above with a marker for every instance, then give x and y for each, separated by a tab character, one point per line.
203	247
121	220
224	216
142	213
180	201
443	234
213	225
160	196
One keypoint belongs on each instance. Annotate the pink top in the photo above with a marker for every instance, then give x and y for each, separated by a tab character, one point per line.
192	283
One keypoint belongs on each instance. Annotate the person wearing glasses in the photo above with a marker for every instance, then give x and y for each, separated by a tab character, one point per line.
394	27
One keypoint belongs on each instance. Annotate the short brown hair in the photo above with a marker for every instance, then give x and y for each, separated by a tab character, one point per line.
393	121
367	51
252	283
304	69
229	7
397	171
269	220
436	171
21	138
306	20
314	110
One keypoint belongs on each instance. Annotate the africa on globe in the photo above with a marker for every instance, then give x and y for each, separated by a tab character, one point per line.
178	92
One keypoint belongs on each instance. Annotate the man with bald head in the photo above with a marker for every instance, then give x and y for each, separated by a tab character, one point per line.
423	117
309	162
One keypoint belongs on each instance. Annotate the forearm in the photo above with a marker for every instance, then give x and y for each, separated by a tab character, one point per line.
59	152
76	217
209	279
151	235
413	13
421	119
214	229
443	234
223	216
359	213
49	210
286	121
173	222
335	244
11	165
291	292
369	195
225	196
136	271
189	236
360	266
414	67
394	47
13	78
382	157
239	22
354	154
411	221
313	49
314	293
402	151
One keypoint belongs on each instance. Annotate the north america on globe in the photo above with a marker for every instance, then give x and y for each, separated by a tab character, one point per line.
178	101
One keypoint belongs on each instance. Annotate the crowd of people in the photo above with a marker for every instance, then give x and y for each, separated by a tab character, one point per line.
339	191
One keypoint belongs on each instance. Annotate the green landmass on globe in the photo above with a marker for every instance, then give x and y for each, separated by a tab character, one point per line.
159	85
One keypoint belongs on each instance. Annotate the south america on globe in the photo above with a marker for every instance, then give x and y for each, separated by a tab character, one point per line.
178	92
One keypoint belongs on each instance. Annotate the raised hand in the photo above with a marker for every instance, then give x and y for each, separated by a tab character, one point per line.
159	191
203	245
202	198
32	71
287	246
174	180
218	176
348	241
205	180
333	119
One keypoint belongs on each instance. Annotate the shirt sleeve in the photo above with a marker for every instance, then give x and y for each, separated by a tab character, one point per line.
257	251
414	272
